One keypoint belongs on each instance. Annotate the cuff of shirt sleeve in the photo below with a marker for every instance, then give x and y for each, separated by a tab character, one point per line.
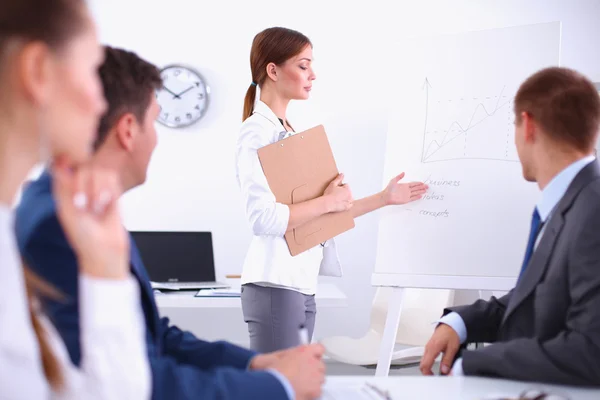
457	369
455	322
282	212
284	382
100	298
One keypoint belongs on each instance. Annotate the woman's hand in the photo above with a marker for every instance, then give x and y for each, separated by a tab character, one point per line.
338	195
401	193
87	207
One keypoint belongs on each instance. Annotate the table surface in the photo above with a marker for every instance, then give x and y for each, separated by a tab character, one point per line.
328	295
450	388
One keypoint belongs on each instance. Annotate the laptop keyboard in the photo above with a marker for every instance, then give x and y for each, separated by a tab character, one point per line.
187	285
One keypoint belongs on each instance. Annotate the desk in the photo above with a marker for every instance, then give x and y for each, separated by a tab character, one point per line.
454	388
216	318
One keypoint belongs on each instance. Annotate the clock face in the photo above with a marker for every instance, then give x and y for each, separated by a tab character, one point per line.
183	99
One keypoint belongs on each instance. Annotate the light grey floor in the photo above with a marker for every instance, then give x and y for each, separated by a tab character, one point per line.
338	368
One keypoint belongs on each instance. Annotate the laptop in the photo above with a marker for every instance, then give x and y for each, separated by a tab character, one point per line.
178	260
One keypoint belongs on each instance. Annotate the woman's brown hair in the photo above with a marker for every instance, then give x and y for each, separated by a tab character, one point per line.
37	287
273	45
53	23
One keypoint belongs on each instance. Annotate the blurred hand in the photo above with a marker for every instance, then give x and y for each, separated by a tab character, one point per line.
87	208
401	193
304	369
444	340
339	195
267	360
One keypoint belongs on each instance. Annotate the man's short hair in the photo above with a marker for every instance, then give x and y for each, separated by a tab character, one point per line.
129	83
564	103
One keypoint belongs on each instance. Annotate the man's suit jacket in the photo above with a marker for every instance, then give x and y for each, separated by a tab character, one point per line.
183	367
548	327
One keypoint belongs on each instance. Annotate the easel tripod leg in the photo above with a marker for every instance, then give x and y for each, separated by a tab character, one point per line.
388	340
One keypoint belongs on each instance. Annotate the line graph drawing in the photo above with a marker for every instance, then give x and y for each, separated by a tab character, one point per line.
476	128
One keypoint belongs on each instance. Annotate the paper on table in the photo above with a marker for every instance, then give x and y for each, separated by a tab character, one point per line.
528	394
362	392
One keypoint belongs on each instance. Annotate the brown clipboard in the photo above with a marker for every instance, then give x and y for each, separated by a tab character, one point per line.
299	168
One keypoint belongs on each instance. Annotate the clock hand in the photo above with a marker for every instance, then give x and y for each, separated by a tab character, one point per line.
175	96
186	90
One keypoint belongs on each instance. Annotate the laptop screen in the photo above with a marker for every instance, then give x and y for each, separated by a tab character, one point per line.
177	256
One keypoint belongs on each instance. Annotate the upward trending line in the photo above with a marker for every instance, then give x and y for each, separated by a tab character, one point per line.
462	130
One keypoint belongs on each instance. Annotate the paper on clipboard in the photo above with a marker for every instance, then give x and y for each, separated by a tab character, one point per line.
298	169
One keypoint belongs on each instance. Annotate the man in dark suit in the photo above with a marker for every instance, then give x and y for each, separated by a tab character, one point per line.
546	329
183	367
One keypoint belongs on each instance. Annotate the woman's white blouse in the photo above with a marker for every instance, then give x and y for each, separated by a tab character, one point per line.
114	361
268	261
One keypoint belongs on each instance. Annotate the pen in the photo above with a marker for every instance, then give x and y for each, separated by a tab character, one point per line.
303	335
383	394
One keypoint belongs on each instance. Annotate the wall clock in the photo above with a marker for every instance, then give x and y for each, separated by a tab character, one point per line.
184	97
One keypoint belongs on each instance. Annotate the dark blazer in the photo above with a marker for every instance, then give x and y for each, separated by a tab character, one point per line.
547	329
183	367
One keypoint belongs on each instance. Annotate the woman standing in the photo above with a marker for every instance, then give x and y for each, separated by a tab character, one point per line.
50	103
278	290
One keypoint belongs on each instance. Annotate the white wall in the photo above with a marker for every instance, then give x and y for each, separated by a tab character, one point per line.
191	182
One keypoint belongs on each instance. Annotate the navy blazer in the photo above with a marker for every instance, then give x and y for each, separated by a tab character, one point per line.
183	367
